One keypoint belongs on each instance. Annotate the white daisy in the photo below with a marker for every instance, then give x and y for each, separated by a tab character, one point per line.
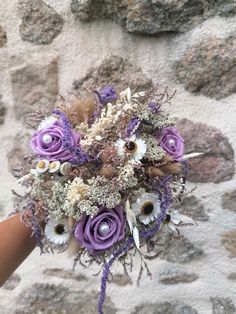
147	207
134	146
65	168
175	219
54	166
45	123
57	231
42	166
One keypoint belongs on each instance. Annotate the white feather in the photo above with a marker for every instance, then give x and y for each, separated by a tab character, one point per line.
192	155
136	237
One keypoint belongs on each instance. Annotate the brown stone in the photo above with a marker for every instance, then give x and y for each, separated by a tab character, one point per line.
40	23
65	274
229	200
229	241
3	37
117	72
35	87
209	68
217	163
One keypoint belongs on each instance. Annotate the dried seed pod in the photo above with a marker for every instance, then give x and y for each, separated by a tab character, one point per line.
107	171
73	247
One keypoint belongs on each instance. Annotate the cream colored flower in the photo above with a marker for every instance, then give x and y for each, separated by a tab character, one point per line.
54	166
147	207
77	191
47	122
134	146
65	168
57	232
42	166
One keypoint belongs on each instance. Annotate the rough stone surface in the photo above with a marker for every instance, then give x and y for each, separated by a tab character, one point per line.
65	274
18	161
40	23
180	250
12	282
51	299
229	200
165	308
192	207
115	71
222	306
217	163
174	275
209	67
35	86
232	276
229	241
3	37
121	280
2	111
152	17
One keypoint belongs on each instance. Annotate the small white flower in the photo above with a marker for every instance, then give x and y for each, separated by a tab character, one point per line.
175	219
42	166
54	166
65	168
45	123
57	232
147	207
136	147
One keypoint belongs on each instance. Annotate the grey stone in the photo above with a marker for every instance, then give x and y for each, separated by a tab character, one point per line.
232	276
222	306
173	275
229	200
152	17
3	37
217	163
209	67
35	87
58	299
40	23
229	241
2	111
19	159
180	250
65	274
114	71
12	282
192	207
165	308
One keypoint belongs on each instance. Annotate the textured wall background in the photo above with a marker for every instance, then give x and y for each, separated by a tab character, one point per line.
55	47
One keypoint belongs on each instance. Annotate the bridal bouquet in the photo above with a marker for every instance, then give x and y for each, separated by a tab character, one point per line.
106	174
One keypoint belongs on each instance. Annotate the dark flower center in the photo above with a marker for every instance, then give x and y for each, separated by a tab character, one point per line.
168	218
59	229
131	147
147	208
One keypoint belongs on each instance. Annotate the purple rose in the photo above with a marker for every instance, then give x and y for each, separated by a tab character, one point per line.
107	94
102	231
49	142
172	143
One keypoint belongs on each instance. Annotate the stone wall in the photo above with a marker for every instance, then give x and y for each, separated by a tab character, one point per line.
61	47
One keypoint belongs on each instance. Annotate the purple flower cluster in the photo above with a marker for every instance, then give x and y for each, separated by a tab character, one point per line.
154	107
106	95
132	126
